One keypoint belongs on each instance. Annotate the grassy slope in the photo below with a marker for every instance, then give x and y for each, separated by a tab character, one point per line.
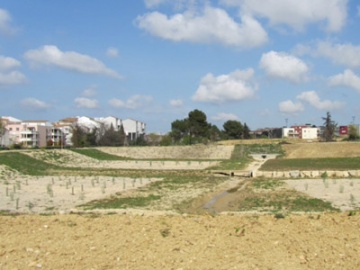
312	164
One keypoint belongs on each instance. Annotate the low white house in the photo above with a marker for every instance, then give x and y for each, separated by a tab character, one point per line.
110	120
309	133
289	133
305	132
134	129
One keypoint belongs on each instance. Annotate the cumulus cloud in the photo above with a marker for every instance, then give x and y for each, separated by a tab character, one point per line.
7	75
290	107
153	3
10	78
176	102
5	23
342	54
112	52
51	55
34	104
284	66
212	25
235	86
87	103
222	117
296	14
132	103
347	78
90	91
7	63
312	98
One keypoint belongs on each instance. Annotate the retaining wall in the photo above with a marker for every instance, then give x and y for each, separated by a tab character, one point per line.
306	174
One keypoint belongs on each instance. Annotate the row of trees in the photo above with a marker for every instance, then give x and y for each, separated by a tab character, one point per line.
98	137
196	129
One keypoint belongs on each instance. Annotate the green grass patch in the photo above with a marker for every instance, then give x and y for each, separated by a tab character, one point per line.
274	148
121	203
260	183
26	164
97	154
312	164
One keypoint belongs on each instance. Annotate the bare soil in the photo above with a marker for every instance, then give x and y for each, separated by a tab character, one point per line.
324	241
160	239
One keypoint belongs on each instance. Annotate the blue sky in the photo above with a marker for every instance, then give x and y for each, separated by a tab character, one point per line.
266	63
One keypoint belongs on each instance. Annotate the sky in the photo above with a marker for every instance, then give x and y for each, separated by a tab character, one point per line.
266	63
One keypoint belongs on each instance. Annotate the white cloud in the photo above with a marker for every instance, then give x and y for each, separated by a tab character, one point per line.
90	92
112	52
5	20
290	107
153	3
10	78
235	86
132	103
222	117
212	25
343	54
87	103
7	63
285	66
176	102
34	104
296	14
312	98
348	79
50	55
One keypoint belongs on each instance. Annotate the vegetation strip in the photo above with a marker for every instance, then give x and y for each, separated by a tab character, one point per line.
312	164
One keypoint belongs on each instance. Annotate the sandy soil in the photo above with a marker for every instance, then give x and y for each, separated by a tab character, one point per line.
198	152
29	194
68	158
326	241
343	194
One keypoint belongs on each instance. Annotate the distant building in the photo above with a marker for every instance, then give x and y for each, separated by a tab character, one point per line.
306	132
134	129
41	133
343	130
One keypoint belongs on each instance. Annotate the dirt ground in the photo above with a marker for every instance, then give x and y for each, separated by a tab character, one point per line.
325	241
143	239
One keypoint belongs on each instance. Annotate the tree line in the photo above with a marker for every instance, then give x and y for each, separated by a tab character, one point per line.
196	129
98	136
